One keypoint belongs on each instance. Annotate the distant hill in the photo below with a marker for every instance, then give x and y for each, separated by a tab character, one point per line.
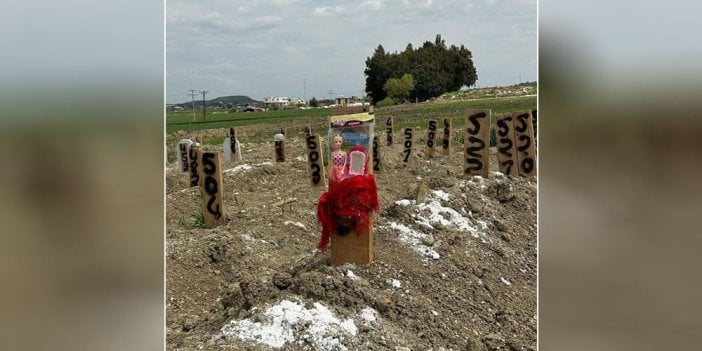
234	100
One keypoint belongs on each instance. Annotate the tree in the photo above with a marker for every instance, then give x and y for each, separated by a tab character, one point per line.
434	67
399	89
314	102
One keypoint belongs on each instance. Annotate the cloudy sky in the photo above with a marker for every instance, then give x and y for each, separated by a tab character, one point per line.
305	48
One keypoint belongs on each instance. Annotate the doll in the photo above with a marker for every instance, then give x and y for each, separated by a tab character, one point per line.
339	160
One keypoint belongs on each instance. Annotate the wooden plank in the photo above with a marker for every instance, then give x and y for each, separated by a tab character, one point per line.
194	156
431	139
506	147
349	110
446	138
388	131
314	157
212	189
408	150
279	140
376	154
477	143
524	136
350	248
536	138
182	155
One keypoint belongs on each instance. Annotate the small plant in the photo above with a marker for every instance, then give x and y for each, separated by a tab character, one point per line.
197	221
240	205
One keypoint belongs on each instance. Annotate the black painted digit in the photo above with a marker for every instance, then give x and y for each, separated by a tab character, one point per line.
216	211
208	165
509	164
311	143
314	156
407	154
211	185
528	164
474	120
478	165
315	173
527	143
523	124
507	147
183	157
502	127
472	150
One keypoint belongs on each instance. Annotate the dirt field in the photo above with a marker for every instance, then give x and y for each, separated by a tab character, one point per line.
455	270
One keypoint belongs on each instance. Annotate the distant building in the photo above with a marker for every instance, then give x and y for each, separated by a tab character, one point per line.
283	101
349	101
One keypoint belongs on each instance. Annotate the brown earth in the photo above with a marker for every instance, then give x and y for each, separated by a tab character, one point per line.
480	294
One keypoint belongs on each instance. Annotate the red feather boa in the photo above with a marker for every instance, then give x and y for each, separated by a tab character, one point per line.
349	200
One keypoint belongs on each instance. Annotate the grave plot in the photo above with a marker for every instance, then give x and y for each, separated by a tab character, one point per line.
454	261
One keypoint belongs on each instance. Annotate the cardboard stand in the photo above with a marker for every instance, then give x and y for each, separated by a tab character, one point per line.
356	126
376	154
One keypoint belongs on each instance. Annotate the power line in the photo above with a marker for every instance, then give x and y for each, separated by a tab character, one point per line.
204	105
192	95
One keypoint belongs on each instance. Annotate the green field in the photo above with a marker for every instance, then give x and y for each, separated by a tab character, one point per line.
405	115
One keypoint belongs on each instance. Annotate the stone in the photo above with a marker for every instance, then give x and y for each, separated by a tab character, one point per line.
474	345
428	240
190	322
282	280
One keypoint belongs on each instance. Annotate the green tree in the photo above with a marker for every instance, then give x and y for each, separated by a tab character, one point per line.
399	89
434	67
314	102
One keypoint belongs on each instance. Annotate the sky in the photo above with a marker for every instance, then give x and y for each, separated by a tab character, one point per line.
305	48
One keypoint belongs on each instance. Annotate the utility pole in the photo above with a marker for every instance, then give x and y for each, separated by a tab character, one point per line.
192	95
304	89
204	107
331	93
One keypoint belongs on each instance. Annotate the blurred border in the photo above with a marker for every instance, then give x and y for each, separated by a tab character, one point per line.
82	180
619	193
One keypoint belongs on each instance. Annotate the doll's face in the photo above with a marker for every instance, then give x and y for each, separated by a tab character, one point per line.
338	142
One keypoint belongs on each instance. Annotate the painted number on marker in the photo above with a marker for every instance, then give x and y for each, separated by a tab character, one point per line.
313	156
503	133
447	132
211	186
408	144
527	162
473	155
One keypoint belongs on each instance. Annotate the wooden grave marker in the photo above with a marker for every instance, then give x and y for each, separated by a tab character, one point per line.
212	188
347	246
431	139
279	140
524	140
314	157
376	154
506	148
182	155
446	139
388	131
536	139
408	150
194	156
477	143
232	150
